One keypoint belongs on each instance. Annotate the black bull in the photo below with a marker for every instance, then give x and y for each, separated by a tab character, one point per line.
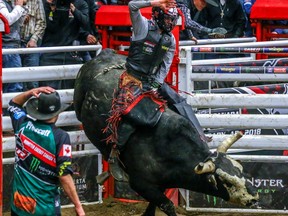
161	157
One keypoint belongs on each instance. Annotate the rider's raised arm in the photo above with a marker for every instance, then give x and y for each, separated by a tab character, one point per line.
139	23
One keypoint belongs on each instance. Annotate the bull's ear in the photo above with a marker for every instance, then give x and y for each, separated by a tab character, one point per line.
226	144
207	167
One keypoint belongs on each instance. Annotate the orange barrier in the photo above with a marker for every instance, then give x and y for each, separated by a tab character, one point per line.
171	194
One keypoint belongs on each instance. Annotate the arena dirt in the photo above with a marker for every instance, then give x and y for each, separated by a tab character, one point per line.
112	207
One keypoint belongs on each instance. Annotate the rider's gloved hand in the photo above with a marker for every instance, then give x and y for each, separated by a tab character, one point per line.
150	86
155	85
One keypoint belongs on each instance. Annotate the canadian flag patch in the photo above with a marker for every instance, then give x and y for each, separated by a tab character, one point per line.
66	151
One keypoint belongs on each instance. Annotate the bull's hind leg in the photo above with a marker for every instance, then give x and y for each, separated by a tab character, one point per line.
155	196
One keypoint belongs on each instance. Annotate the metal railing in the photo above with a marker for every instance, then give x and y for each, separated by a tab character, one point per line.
252	122
196	100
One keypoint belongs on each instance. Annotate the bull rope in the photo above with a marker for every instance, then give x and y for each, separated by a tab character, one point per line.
119	66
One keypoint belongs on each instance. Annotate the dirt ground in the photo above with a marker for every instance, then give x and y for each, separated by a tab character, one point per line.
112	207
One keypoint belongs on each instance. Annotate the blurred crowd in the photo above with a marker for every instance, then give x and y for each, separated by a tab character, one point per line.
50	23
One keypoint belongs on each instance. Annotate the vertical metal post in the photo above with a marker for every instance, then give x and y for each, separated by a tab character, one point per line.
1	143
4	28
1	147
100	170
189	83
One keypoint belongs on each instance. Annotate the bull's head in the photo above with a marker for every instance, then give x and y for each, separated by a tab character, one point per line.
223	171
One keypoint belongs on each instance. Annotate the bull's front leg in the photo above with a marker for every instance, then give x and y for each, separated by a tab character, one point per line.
154	195
150	210
168	207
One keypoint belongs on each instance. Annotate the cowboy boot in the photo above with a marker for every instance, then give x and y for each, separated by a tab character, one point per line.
114	166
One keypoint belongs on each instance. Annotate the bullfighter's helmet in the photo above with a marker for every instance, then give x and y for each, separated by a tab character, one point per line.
166	20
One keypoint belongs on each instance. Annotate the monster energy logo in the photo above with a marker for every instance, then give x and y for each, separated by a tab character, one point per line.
34	164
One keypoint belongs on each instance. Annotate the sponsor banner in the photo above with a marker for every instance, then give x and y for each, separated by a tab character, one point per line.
240	69
262	62
239	50
271	186
85	171
263	89
281	88
253	131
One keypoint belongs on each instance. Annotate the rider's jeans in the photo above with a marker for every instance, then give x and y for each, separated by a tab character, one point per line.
11	61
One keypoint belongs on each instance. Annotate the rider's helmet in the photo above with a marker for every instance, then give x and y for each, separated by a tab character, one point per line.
166	20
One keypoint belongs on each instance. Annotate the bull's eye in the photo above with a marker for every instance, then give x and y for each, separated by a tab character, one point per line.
239	162
235	163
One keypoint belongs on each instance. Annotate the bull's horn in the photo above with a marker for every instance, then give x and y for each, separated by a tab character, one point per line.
207	167
226	144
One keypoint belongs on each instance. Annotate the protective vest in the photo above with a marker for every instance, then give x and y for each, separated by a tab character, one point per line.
13	38
146	55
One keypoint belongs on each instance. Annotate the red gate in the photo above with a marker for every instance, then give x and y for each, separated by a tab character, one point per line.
263	13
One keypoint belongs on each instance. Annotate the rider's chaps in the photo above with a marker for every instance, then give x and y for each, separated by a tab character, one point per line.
179	105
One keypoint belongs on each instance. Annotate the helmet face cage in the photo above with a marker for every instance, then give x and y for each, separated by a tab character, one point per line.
165	20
